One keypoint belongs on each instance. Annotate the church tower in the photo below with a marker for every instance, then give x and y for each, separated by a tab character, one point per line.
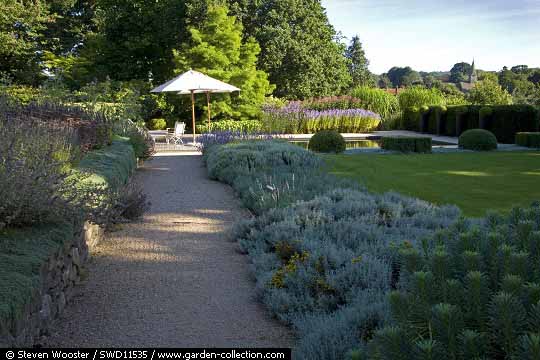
473	76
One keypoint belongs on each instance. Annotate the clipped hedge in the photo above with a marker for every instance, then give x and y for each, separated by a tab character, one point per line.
528	139
410	119
327	141
406	144
157	124
504	121
434	122
111	166
478	140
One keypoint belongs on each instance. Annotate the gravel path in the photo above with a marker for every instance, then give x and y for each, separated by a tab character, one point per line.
173	279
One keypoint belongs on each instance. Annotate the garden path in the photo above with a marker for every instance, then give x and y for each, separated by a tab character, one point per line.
172	279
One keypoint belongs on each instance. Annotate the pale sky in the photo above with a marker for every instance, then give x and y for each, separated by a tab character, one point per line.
433	35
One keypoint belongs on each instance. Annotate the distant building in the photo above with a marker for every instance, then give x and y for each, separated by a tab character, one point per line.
473	79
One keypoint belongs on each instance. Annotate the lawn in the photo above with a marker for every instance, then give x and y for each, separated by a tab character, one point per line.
475	182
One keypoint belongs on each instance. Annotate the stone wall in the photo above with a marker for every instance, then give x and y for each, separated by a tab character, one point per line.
58	276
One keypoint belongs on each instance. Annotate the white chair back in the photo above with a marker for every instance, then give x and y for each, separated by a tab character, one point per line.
179	128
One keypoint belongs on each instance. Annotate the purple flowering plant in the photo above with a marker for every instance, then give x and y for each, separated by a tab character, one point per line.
297	117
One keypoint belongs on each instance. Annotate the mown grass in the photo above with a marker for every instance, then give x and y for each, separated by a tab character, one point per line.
475	182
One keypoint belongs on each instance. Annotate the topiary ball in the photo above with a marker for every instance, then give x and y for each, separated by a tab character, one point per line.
478	140
157	124
327	141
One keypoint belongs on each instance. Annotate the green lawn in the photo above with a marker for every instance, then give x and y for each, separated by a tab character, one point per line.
475	182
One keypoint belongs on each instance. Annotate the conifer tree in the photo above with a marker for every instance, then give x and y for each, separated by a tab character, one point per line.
216	48
358	64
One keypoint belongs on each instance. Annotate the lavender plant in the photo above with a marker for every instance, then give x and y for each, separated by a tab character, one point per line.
295	118
324	251
35	181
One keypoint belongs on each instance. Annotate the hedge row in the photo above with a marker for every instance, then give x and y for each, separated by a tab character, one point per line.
502	120
531	140
407	144
111	166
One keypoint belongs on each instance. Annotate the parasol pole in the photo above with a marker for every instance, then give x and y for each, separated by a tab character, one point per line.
208	106
193	112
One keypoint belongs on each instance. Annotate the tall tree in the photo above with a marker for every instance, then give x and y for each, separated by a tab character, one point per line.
460	72
216	48
384	81
534	76
135	38
404	76
358	64
70	22
489	92
520	69
300	49
21	26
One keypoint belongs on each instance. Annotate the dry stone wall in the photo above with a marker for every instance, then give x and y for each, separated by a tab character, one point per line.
58	277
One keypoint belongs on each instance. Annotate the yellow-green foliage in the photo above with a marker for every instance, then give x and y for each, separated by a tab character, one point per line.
377	100
417	97
288	268
157	124
474	289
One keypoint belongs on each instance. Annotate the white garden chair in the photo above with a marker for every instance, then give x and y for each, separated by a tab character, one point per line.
175	135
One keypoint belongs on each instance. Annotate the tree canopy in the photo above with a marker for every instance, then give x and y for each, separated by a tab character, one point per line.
300	51
489	92
21	30
358	64
216	48
404	76
460	72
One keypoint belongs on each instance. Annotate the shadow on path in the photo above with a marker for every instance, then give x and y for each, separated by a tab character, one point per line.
173	279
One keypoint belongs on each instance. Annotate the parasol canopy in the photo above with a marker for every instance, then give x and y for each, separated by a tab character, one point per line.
194	82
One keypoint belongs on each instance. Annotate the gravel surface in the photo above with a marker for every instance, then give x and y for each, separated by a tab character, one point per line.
173	279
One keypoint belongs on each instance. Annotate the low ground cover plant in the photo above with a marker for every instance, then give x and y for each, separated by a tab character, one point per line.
478	140
504	121
22	254
327	141
324	250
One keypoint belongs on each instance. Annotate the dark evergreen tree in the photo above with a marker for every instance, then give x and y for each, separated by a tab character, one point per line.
358	64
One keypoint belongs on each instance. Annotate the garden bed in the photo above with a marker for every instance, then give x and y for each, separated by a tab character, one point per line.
328	254
40	265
